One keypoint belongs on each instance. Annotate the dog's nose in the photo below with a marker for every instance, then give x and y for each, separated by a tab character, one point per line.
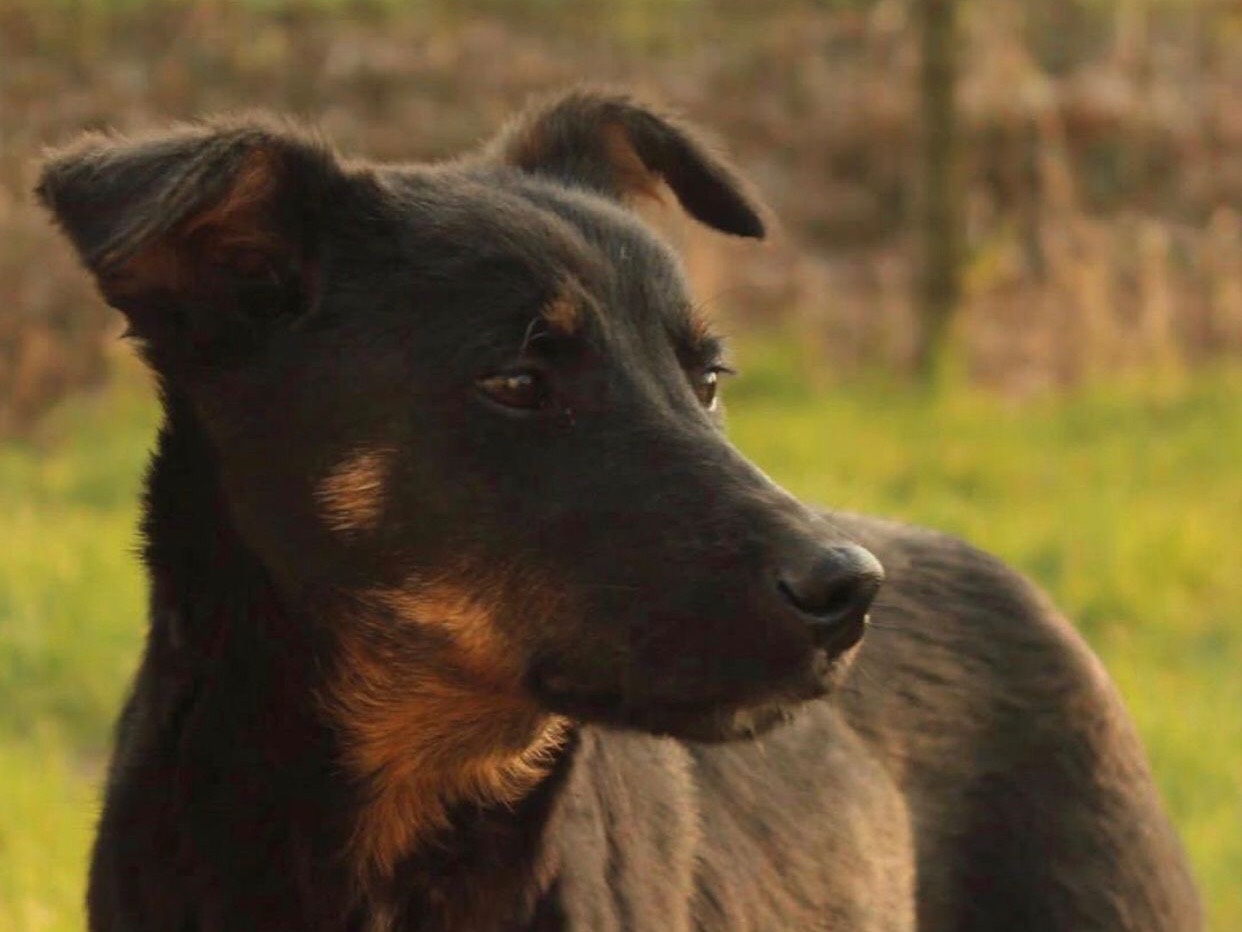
833	588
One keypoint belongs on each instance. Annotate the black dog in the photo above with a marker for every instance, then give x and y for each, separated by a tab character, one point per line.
460	595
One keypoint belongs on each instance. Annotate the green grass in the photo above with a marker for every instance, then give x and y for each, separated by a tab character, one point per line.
71	620
1125	502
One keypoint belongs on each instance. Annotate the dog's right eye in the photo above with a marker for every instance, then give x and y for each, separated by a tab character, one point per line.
524	389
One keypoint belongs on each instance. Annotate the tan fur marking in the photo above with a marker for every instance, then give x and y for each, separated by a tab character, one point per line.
234	232
528	146
563	314
156	268
426	729
238	232
478	645
701	328
250	195
631	175
352	495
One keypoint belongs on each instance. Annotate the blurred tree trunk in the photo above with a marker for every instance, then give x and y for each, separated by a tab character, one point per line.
939	223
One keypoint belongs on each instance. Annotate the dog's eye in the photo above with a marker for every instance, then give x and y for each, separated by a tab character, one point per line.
521	388
707	385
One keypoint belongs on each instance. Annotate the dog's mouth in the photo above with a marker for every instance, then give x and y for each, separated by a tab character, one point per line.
717	718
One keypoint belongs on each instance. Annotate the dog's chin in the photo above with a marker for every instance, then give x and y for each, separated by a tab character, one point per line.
712	721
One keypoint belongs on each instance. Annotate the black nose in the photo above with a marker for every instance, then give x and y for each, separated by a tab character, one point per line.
833	588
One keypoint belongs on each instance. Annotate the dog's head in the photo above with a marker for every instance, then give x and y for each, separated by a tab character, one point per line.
474	404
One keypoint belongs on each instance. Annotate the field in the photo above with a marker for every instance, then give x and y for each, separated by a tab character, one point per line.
1125	502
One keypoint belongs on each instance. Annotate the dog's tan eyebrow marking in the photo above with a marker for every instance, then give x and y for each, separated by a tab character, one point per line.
694	336
562	314
352	495
699	326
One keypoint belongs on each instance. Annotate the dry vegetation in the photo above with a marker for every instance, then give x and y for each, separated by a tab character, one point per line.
1103	154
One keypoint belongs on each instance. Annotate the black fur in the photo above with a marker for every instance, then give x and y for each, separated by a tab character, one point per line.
346	523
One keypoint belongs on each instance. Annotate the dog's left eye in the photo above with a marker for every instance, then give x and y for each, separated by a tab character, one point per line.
707	385
525	389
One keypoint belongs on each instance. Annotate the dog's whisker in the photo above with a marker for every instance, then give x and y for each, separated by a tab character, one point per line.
880	626
531	335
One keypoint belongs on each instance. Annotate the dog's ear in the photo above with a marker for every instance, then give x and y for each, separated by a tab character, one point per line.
198	230
609	143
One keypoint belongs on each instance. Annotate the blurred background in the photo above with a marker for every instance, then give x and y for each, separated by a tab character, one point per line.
1004	299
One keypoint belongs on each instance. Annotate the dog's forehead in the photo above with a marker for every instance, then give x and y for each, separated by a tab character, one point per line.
639	263
547	233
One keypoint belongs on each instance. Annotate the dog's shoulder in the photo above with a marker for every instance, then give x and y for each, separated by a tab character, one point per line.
990	710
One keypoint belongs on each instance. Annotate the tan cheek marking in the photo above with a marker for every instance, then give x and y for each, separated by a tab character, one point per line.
478	644
425	729
352	495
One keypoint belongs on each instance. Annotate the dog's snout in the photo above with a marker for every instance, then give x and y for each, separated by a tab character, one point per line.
833	588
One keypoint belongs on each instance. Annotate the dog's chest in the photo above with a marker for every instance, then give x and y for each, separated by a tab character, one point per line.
800	831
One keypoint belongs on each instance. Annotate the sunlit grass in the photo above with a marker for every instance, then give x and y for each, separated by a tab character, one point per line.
1124	502
45	831
71	598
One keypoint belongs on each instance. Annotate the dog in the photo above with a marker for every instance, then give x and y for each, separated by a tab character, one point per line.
465	614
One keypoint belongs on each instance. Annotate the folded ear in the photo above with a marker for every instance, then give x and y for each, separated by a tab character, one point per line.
194	230
607	142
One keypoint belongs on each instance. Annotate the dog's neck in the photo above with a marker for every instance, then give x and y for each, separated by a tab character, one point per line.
370	819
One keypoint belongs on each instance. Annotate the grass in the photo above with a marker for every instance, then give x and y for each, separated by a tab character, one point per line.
70	624
1124	501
